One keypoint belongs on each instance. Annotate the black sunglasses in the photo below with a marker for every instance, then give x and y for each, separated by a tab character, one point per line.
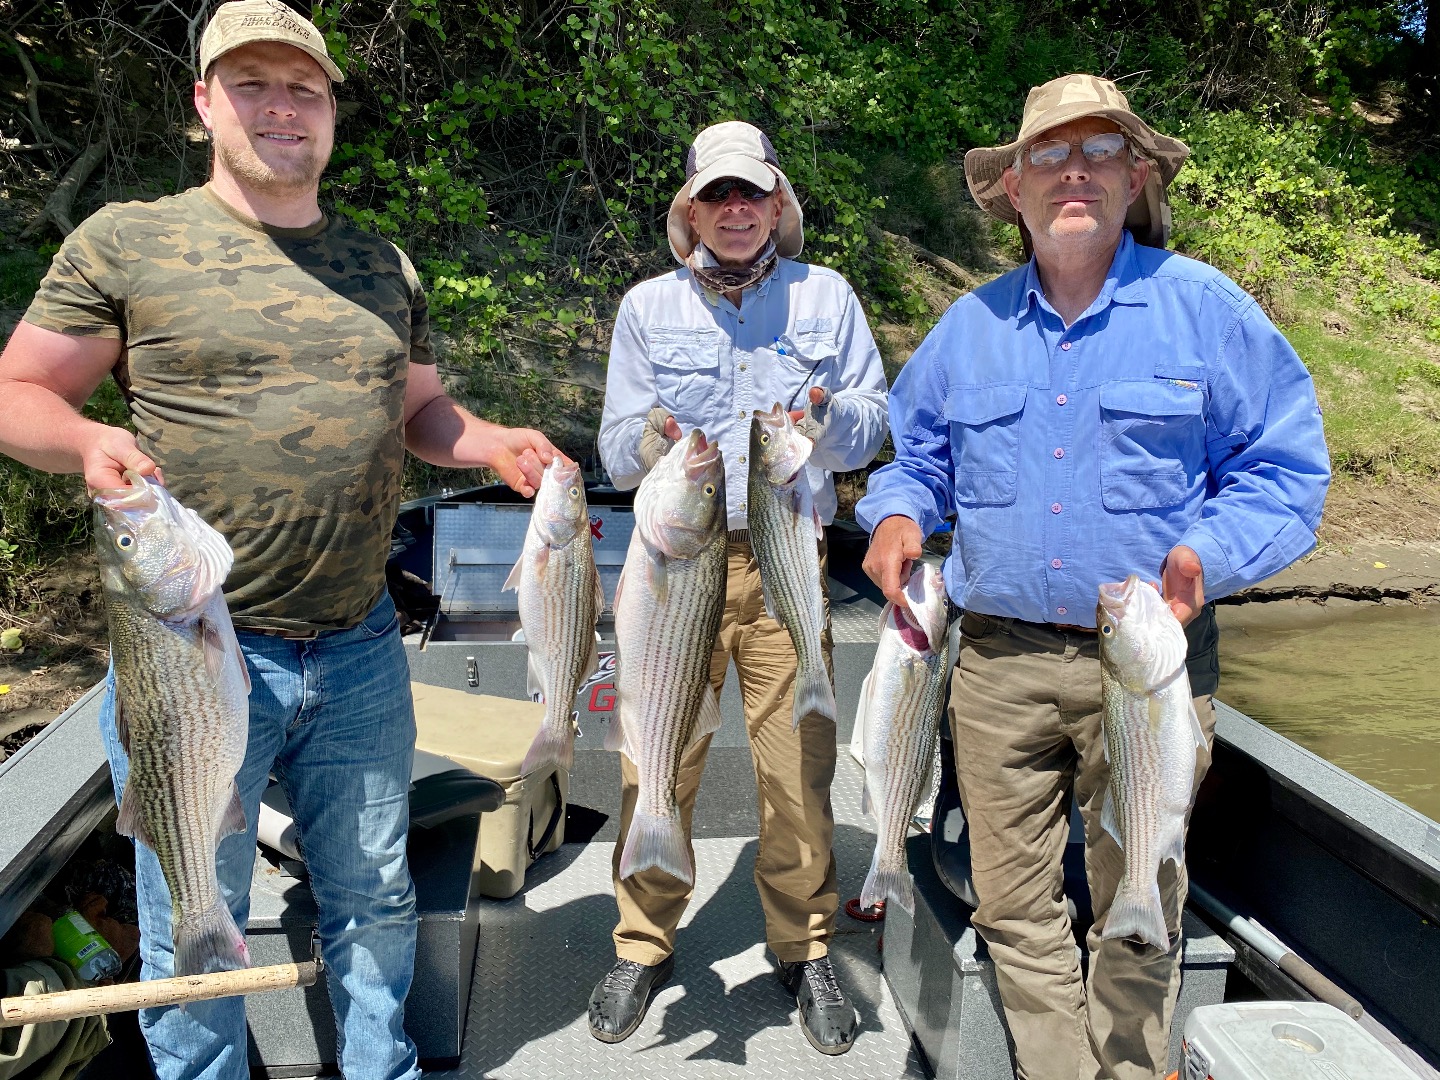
719	191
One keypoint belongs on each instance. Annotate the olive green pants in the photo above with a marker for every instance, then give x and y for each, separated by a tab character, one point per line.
1025	714
795	864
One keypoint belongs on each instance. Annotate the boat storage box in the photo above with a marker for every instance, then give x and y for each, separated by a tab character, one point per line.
1283	1040
490	736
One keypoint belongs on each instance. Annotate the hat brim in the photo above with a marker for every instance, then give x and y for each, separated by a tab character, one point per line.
789	233
263	33
985	165
738	167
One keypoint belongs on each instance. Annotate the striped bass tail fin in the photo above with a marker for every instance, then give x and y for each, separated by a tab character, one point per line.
888	883
553	748
209	941
656	840
813	694
1138	913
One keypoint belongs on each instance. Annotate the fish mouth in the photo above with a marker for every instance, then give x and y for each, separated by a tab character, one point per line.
1115	595
910	633
701	456
564	472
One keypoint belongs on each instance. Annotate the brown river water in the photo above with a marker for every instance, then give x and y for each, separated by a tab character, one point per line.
1356	683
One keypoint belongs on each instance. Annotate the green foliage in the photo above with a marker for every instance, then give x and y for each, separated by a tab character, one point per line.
1272	203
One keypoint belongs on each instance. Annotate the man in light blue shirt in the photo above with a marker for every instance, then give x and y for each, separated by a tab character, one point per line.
1109	408
740	326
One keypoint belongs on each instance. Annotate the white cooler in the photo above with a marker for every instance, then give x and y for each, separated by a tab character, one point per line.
1283	1040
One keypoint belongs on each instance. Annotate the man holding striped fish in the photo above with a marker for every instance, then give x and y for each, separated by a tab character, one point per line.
1109	409
738	328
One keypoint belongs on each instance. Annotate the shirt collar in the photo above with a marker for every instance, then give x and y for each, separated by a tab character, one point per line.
1124	284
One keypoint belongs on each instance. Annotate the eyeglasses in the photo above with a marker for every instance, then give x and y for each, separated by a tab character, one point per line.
1097	149
720	191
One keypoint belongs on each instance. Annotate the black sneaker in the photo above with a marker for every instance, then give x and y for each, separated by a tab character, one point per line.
826	1015
619	1000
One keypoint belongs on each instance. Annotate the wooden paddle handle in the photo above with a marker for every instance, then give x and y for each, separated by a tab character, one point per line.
125	997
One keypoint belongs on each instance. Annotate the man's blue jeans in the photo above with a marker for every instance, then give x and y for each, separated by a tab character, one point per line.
333	719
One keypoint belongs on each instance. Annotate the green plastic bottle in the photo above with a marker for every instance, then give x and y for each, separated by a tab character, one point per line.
82	947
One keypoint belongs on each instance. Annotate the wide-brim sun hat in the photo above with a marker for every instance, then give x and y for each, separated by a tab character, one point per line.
740	151
244	22
1073	97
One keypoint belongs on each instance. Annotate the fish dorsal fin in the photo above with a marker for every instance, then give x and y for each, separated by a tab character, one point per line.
534	677
599	598
1110	818
130	823
234	819
512	581
615	731
1195	728
122	723
707	717
819	525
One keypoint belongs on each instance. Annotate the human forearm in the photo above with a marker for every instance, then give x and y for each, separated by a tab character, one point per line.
43	430
444	433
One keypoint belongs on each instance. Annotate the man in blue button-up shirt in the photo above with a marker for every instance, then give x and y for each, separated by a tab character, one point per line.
1109	408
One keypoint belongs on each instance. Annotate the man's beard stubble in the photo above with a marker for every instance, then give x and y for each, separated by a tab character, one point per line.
246	165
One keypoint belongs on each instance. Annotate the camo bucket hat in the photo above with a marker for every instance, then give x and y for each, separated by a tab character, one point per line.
1060	101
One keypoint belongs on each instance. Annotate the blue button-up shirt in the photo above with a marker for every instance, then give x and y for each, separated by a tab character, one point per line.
1170	412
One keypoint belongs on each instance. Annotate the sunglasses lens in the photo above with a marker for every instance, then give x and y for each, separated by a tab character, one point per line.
720	191
1105	147
1050	153
1097	149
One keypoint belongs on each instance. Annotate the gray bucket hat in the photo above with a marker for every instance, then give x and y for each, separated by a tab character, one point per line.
1060	101
742	151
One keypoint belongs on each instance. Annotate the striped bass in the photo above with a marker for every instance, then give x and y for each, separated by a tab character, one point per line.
182	707
900	705
668	607
560	602
784	531
1151	734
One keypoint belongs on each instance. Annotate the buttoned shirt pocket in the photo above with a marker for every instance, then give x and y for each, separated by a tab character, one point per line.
985	442
804	359
1152	437
686	363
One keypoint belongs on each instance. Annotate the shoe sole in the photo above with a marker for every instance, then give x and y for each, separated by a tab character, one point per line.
621	1036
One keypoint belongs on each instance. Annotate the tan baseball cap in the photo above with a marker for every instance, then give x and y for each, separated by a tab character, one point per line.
734	149
1060	101
243	22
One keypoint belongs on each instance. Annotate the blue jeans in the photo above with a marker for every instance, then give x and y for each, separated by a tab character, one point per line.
333	719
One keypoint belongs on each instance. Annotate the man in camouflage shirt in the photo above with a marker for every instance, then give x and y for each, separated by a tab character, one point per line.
277	365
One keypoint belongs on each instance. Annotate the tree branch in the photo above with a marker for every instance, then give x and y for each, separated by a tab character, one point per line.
57	208
32	96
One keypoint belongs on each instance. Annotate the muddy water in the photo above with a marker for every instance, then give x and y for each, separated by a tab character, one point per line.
1356	683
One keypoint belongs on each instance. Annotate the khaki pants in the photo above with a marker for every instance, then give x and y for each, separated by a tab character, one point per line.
795	864
1025	715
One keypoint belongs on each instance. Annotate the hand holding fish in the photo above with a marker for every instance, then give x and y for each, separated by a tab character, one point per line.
818	396
1182	583
109	455
894	547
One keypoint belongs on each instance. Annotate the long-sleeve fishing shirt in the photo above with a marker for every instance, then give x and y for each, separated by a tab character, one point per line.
710	364
1172	411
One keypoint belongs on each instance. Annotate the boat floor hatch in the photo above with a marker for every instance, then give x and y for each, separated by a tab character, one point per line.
542	951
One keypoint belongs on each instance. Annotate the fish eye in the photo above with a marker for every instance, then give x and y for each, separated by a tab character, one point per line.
124	541
574	492
709	490
1107	629
764	440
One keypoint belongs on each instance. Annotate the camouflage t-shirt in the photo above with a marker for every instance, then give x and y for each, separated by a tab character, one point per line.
265	370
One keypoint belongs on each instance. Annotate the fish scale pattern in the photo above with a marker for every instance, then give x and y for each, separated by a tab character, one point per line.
541	952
